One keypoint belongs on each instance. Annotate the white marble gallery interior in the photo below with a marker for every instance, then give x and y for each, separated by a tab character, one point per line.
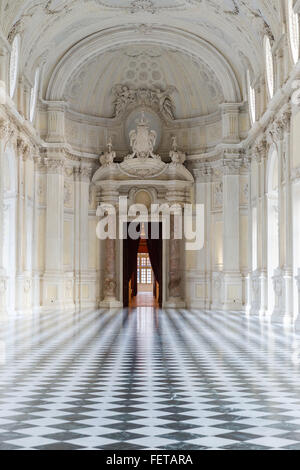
160	342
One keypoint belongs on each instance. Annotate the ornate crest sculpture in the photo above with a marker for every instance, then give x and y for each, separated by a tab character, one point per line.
142	141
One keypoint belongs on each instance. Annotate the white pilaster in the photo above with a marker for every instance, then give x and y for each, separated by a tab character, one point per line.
283	277
36	275
175	197
4	132
259	277
83	287
199	279
23	278
53	283
232	279
110	195
297	322
259	283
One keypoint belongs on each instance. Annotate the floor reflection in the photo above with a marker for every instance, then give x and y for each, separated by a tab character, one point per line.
148	378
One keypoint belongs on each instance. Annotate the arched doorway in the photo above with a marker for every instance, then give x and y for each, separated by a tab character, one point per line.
273	225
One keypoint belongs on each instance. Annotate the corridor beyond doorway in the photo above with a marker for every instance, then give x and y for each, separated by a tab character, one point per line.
142	268
146	285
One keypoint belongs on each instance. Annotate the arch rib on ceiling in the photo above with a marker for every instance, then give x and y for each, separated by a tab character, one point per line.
171	38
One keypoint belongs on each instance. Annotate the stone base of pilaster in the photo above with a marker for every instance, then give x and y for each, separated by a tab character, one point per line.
247	294
174	302
53	291
23	303
3	296
297	324
297	315
69	304
198	290
259	283
283	287
110	303
36	292
86	291
232	291
217	288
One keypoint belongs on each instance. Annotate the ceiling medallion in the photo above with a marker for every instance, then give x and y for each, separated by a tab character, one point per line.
142	6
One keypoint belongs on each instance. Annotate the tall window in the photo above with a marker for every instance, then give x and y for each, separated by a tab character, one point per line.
13	66
144	269
269	66
251	99
294	31
34	94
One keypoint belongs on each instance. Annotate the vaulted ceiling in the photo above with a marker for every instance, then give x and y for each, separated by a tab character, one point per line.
88	46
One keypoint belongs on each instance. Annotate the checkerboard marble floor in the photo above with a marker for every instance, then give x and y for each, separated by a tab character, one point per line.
148	379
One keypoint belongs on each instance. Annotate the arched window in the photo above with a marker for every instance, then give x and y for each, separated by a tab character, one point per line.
13	66
294	31
34	94
269	66
251	99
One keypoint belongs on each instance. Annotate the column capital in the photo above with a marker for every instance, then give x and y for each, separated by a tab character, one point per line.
203	174
54	165
280	126
82	173
232	166
85	174
260	149
37	158
285	119
23	148
6	131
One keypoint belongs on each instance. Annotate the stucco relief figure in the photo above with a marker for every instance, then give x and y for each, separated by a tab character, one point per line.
109	156
166	105
123	97
177	157
142	140
218	194
155	98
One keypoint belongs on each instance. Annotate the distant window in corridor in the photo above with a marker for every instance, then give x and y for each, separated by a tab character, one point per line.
144	269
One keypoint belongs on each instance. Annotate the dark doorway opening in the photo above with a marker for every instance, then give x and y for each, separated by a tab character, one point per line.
142	265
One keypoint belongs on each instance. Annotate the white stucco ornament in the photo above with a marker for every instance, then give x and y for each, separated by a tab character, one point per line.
142	163
177	157
142	140
109	156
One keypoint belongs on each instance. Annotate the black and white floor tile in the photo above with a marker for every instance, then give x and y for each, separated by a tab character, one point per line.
148	379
